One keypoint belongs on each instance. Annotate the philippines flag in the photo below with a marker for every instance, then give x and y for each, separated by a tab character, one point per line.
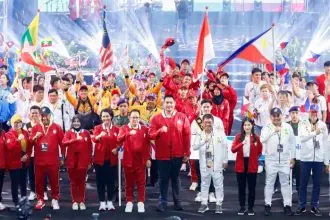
257	50
205	50
314	57
283	45
106	52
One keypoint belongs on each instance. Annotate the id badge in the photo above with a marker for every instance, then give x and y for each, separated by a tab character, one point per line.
298	144
317	145
279	148
44	147
208	155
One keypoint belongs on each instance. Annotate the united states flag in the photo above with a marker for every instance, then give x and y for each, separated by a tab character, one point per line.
106	51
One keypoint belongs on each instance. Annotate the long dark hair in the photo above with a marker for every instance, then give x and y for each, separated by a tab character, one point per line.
242	135
74	118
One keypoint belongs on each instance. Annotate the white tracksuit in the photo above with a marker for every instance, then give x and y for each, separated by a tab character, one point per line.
308	152
277	161
218	151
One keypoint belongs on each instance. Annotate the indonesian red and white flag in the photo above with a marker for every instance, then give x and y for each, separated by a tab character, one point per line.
205	51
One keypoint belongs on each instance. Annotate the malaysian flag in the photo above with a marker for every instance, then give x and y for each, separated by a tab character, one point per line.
106	52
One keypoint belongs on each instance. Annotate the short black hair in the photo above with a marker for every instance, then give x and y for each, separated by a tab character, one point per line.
295	74
53	91
54	80
107	110
65	78
28	79
35	107
37	88
256	70
206	101
327	63
208	116
168	96
134	110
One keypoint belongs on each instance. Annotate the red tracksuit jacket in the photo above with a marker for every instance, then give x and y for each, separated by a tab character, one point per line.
255	152
176	141
136	147
222	111
2	151
14	151
53	138
105	145
78	151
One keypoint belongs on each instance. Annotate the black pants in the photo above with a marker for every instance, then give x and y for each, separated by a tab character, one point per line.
18	180
169	170
105	179
32	176
153	172
296	174
250	179
198	189
2	178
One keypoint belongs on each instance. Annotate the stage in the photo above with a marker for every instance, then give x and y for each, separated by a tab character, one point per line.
230	205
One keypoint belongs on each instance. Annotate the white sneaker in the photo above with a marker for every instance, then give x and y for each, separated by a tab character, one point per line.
212	197
32	196
183	167
55	204
140	206
129	207
198	197
193	186
110	206
260	169
45	196
2	207
75	206
103	206
82	206
189	174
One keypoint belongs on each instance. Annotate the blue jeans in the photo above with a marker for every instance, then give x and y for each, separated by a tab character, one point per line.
305	172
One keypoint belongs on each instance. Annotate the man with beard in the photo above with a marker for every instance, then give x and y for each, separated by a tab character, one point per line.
47	139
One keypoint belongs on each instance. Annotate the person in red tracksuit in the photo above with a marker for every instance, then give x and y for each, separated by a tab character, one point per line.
220	107
171	132
105	158
47	139
248	147
136	158
2	165
78	159
230	95
17	143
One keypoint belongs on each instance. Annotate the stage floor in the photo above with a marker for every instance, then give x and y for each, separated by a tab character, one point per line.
230	204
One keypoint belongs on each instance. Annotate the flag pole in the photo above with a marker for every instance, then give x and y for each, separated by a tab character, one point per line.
101	73
274	58
202	82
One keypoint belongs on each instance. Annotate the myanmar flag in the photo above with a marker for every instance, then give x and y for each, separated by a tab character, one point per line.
29	45
47	42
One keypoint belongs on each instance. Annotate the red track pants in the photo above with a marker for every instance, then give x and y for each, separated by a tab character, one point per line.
77	184
52	172
135	175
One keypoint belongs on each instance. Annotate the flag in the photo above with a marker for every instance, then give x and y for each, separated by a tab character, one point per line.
281	68
106	52
257	50
283	45
205	51
47	42
314	57
29	44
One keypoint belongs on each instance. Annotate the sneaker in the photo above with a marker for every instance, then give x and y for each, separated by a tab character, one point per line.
55	204
75	206
178	207
161	208
203	208
316	211
183	167
2	207
103	206
32	196
82	206
40	204
198	197
241	211
45	196
251	212
129	207
193	186
110	206
212	197
189	174
300	211
287	210
140	206
260	169
267	211
218	209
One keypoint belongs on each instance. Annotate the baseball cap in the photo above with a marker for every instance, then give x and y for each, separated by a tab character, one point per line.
122	101
151	96
83	87
275	111
294	109
45	111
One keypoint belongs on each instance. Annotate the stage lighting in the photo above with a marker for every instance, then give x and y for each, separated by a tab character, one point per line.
258	5
226	5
